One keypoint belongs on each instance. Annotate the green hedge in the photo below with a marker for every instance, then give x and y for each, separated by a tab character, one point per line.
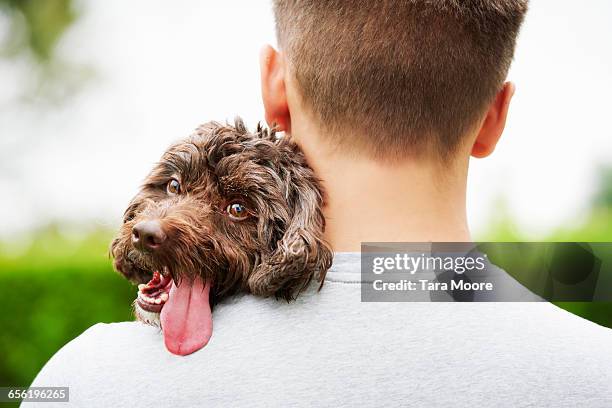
50	294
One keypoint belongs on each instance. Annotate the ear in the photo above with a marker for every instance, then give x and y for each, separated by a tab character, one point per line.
493	125
273	93
301	254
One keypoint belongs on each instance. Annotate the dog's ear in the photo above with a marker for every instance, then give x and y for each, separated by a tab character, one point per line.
301	254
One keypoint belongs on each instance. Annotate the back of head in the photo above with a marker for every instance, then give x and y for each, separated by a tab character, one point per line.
398	77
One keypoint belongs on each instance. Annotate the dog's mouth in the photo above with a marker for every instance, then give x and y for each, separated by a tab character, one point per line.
154	294
184	310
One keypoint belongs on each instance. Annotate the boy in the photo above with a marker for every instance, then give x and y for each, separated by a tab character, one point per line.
388	100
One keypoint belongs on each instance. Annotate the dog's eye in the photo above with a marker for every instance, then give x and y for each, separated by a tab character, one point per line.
173	187
128	217
237	211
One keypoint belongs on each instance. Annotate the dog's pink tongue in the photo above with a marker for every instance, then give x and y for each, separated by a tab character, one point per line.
186	319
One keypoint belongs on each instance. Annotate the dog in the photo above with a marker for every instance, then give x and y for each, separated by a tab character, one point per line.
225	211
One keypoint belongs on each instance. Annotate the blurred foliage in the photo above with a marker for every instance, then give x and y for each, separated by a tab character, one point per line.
37	25
603	199
34	31
52	289
596	227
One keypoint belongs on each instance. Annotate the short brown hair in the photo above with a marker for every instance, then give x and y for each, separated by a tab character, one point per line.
408	76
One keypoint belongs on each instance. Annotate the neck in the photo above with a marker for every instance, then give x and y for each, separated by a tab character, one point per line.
370	200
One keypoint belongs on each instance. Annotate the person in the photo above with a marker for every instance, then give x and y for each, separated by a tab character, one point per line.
388	100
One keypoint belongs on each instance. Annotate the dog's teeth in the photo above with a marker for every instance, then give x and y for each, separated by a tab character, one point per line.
164	297
158	301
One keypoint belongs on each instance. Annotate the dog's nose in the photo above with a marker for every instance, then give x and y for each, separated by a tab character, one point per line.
148	235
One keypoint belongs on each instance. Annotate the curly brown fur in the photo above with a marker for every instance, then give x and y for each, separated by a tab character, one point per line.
276	251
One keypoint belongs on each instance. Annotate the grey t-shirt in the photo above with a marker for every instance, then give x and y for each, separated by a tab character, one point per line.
330	349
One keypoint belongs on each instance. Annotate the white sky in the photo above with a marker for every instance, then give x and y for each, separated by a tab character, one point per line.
159	71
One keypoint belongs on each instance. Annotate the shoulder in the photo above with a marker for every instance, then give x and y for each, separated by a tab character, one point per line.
99	346
103	364
267	350
103	338
122	332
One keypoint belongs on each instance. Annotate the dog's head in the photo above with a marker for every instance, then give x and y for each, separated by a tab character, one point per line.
240	211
